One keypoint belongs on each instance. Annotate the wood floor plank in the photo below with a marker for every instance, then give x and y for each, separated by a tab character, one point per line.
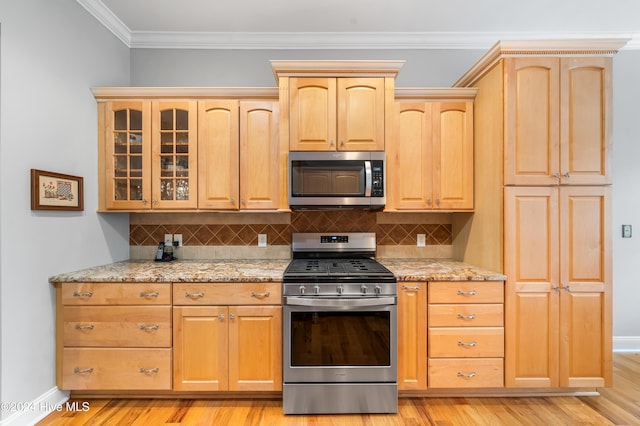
617	405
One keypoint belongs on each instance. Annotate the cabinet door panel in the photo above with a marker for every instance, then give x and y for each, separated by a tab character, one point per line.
453	155
585	138
218	154
412	336
259	162
361	114
255	348
200	343
410	157
312	114
532	121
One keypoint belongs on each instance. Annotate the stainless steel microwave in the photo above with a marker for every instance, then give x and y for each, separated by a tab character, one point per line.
327	180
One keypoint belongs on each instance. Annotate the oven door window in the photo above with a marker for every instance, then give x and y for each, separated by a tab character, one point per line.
340	339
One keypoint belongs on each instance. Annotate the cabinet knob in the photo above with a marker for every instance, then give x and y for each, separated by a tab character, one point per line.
556	175
232	201
242	201
232	316
429	202
331	143
341	143
144	201
567	175
154	201
221	316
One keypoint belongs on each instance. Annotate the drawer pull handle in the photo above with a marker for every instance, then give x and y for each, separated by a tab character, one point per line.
86	370
149	327
84	327
467	293
260	295
148	370
87	294
467	376
467	317
193	295
150	294
415	287
467	345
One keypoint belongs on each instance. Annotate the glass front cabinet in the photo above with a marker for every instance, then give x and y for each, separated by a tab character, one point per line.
150	151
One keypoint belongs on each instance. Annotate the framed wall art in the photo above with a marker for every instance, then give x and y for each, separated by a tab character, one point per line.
56	191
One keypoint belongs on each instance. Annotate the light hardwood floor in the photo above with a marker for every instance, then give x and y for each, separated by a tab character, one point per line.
618	405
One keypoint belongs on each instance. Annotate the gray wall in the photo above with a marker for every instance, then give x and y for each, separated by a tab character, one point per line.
441	68
52	52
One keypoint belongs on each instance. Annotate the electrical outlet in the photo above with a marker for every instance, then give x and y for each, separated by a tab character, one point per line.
177	240
421	240
626	231
168	239
262	240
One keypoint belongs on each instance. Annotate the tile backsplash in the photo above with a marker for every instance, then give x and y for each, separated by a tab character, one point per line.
396	232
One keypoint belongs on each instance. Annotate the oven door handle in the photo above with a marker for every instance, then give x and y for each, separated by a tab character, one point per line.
339	302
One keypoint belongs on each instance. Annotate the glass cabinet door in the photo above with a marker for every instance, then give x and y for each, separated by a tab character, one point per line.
174	167
128	155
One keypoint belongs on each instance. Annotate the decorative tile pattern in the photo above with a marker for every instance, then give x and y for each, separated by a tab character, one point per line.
280	234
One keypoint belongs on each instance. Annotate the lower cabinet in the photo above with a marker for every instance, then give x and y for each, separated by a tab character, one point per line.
450	335
234	345
114	336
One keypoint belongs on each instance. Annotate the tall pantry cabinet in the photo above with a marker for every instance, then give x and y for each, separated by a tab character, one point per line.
542	158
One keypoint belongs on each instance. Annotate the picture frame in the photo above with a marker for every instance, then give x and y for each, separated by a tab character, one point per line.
56	191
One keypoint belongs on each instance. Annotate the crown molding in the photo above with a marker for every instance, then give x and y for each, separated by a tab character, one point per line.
442	94
324	40
243	93
338	68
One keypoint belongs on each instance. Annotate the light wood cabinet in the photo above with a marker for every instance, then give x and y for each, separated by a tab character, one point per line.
328	114
430	158
558	128
113	336
466	334
412	335
558	260
149	151
229	346
238	155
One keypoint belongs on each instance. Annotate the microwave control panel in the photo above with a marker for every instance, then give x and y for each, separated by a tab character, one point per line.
377	179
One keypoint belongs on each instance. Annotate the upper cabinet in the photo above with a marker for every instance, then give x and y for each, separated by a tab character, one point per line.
558	126
150	153
202	153
335	105
430	156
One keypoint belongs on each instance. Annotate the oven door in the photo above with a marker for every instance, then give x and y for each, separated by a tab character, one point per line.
340	340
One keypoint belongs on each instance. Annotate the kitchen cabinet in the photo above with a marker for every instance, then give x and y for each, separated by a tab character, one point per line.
344	114
542	131
466	334
412	335
149	155
558	127
113	336
238	155
335	105
558	259
227	337
430	158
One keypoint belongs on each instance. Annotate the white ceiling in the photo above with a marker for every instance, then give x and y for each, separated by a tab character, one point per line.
380	24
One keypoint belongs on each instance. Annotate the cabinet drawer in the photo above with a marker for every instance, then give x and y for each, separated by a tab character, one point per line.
116	369
466	292
227	294
128	326
116	293
466	315
465	342
466	373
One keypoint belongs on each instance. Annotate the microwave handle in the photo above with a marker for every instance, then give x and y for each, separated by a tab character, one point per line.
367	178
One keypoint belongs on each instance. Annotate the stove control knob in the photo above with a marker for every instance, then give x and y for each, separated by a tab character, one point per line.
302	289
378	289
363	289
340	289
316	289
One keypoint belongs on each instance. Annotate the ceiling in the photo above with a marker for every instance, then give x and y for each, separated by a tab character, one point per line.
361	24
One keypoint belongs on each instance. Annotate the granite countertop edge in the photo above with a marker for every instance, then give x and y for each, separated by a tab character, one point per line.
251	270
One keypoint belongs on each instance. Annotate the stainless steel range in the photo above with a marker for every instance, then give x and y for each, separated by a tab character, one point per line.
339	327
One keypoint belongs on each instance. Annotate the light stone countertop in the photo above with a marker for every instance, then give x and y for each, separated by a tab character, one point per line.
262	271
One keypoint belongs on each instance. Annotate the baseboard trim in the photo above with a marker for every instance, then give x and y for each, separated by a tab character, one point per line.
626	344
30	413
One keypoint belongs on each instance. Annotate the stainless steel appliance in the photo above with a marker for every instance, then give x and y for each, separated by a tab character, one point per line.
337	180
339	327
